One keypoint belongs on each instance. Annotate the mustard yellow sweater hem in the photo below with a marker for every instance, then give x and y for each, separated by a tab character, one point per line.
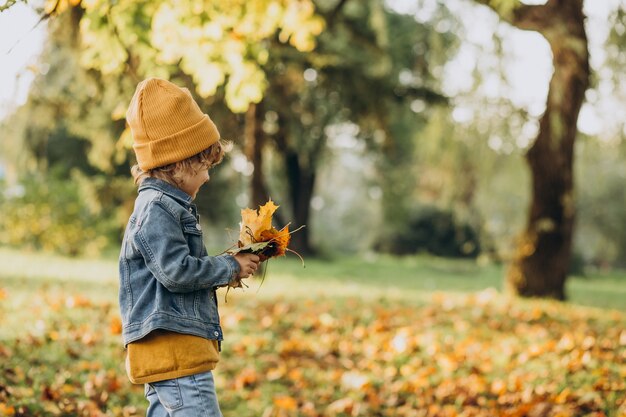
164	355
173	374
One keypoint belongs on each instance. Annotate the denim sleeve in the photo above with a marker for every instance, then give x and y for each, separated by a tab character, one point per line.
162	244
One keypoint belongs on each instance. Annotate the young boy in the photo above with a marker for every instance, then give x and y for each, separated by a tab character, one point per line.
171	325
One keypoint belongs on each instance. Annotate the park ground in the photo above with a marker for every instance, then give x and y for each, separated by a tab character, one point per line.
368	336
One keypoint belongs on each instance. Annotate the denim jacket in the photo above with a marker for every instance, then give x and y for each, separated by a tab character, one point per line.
167	280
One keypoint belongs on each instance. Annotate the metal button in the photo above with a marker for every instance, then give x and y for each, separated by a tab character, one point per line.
190	210
216	333
198	226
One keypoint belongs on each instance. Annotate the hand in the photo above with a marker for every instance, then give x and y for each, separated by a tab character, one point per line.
248	263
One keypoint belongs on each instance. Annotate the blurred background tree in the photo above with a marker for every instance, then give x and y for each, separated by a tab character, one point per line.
542	260
338	110
73	179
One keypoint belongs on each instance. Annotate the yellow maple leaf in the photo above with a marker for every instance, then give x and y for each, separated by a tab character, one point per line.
254	222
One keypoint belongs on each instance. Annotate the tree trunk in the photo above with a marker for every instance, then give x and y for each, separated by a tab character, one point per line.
301	182
255	141
541	262
300	178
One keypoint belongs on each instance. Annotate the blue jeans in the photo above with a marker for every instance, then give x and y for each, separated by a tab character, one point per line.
192	395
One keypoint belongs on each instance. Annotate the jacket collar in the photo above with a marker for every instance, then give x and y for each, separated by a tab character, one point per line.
166	188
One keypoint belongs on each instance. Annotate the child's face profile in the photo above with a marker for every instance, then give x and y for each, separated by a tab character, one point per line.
192	182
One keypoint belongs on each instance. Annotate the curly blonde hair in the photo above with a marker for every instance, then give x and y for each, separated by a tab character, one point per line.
176	172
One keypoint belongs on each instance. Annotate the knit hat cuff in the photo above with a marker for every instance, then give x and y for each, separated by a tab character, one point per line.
177	147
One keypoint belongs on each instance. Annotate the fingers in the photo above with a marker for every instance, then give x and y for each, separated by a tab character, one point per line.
253	263
254	258
254	266
248	263
248	269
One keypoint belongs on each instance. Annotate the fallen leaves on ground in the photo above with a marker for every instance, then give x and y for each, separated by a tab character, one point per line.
475	355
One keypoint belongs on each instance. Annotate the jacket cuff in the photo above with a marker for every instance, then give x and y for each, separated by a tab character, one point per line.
233	267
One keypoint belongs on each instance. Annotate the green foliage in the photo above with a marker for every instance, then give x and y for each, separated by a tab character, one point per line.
216	44
601	198
351	85
130	38
434	231
52	216
372	71
73	210
616	57
73	117
63	153
408	119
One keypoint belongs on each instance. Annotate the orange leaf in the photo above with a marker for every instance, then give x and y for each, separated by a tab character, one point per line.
115	325
280	238
6	410
77	301
286	403
246	377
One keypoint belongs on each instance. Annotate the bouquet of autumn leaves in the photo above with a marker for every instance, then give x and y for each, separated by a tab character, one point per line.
258	236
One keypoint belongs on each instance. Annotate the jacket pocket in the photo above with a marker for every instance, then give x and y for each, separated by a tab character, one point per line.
193	235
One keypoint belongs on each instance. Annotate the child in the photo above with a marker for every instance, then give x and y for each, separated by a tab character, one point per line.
171	325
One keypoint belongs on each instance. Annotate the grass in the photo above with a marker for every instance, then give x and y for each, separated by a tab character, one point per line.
418	277
383	320
369	276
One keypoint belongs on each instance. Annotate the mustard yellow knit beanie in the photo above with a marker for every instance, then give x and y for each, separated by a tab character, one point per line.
167	124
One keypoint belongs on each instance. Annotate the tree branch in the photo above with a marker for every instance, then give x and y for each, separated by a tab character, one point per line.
43	17
533	17
8	4
522	16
